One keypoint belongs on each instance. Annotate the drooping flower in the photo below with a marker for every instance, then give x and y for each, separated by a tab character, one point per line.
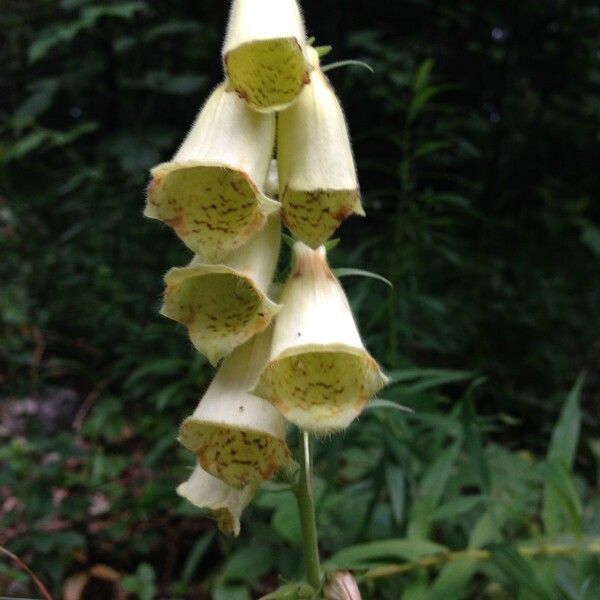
341	585
211	192
224	305
265	52
317	176
319	374
224	502
237	436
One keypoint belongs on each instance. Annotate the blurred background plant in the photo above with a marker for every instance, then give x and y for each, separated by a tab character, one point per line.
477	146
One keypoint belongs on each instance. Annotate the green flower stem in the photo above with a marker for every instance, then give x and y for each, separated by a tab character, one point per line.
437	560
306	508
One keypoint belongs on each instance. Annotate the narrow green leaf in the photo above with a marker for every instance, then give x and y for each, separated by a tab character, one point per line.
590	590
347	63
565	436
457	506
422	74
394	477
381	403
366	555
474	445
348	272
195	556
520	571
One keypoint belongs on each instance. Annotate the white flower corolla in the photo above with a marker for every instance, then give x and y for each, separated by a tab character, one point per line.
224	503
211	192
341	585
265	52
319	374
235	435
224	305
318	187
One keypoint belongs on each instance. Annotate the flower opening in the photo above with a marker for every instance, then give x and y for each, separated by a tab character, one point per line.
319	374
210	193
237	436
225	305
264	52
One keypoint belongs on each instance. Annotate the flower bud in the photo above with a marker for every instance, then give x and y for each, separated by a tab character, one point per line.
264	52
318	187
225	305
224	502
237	436
319	374
341	585
210	193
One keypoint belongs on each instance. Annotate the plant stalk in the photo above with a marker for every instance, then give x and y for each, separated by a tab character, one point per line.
306	509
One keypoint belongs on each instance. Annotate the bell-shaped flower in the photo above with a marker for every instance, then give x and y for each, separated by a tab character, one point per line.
211	192
341	585
224	503
237	436
224	305
319	374
265	52
317	176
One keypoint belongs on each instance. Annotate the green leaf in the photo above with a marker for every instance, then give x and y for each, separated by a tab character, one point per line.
456	507
230	592
248	564
431	148
520	571
453	580
394	477
195	556
562	508
590	590
565	435
430	491
383	551
425	379
422	75
474	445
347	63
382	403
590	236
349	272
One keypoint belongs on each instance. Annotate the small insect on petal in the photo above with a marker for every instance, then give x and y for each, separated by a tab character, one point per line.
240	447
320	380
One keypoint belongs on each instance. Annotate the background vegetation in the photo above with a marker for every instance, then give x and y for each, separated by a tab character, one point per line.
477	145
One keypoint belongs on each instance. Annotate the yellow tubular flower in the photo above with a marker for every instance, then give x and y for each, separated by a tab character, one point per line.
264	52
225	305
237	436
319	374
210	193
224	503
317	177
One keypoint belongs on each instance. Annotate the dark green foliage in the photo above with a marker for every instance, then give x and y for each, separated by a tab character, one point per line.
477	145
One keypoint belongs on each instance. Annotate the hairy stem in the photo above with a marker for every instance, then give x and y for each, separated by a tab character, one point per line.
306	508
